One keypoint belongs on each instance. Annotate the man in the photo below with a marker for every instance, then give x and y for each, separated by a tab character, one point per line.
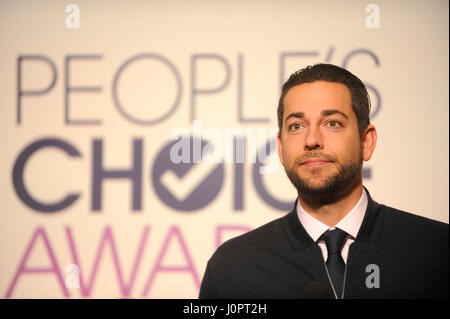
337	242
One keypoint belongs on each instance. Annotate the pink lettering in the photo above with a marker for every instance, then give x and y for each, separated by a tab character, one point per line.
23	269
108	238
189	267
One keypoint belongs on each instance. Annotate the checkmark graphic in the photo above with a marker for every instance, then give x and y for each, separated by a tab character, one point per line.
181	188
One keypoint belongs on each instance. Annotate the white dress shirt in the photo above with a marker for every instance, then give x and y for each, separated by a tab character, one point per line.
350	224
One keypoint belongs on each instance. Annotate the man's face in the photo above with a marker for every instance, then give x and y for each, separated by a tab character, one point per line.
320	146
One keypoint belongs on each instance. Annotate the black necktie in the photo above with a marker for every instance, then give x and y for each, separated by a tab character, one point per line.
335	264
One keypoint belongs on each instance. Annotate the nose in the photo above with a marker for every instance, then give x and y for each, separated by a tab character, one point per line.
313	139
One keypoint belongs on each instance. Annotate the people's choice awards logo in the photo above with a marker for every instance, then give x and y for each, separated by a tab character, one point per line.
187	185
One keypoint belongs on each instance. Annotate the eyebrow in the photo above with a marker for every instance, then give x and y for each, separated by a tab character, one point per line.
323	114
333	111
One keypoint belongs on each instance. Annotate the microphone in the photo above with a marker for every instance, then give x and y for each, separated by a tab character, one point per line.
316	290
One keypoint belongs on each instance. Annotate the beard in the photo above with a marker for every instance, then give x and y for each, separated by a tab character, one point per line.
325	188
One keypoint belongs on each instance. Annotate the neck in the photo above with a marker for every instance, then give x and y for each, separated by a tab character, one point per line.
332	210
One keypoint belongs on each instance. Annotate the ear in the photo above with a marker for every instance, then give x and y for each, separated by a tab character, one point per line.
369	141
280	149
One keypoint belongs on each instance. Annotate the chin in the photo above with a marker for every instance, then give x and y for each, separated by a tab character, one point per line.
317	176
317	188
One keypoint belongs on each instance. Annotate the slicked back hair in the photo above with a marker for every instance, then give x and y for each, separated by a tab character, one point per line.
331	73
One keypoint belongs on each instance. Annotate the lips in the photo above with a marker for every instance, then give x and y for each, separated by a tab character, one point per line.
315	162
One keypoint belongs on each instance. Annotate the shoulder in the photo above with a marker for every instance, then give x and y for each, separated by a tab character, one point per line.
409	225
266	238
246	265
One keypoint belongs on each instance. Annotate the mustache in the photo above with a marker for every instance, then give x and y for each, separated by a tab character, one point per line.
314	154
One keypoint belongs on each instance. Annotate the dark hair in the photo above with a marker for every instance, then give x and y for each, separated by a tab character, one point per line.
331	73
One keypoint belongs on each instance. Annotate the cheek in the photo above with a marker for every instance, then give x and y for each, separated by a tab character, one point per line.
292	151
343	148
351	152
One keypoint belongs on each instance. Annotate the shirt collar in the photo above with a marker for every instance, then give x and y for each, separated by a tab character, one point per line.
350	223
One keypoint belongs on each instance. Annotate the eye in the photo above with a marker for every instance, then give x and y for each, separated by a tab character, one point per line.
334	124
295	126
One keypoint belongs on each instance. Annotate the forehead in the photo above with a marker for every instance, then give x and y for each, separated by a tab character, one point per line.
312	98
